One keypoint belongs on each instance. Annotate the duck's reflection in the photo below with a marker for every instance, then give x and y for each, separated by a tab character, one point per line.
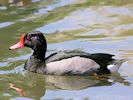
73	82
40	83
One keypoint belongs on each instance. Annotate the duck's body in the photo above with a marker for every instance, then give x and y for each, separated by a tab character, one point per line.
64	62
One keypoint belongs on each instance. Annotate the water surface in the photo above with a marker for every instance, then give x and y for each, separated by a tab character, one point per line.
89	25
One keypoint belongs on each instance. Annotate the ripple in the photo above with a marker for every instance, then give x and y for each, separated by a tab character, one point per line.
6	72
5	24
121	11
124	28
93	17
3	64
44	10
75	20
36	0
95	32
3	8
21	98
51	7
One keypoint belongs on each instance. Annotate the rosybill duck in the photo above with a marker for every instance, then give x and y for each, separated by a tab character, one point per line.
64	62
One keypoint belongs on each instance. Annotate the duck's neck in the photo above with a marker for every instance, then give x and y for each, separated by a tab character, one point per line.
40	52
36	63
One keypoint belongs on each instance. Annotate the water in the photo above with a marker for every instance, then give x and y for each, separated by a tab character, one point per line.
90	25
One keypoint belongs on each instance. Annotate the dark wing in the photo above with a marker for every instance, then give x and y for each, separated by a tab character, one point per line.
103	60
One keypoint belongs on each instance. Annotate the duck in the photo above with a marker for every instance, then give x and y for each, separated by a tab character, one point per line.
64	62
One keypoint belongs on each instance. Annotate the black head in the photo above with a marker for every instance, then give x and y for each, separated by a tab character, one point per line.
35	40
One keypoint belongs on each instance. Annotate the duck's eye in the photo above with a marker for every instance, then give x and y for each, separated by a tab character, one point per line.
34	38
28	38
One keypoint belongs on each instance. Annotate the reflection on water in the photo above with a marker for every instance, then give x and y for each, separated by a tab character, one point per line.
35	85
90	25
15	2
108	21
5	24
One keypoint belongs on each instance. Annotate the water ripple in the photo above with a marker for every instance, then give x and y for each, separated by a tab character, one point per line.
5	24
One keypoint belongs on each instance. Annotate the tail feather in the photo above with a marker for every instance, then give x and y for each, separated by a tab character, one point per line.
119	61
115	65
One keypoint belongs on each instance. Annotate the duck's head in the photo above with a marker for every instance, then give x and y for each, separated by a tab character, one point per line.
35	40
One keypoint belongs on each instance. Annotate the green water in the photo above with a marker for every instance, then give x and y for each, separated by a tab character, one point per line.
90	25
